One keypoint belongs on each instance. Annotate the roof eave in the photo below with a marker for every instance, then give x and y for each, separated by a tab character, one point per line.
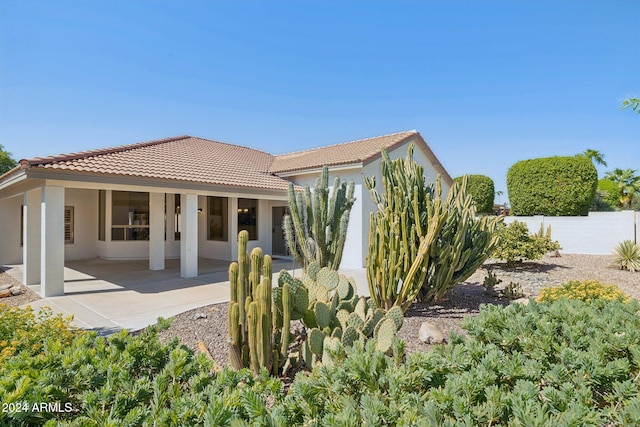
317	169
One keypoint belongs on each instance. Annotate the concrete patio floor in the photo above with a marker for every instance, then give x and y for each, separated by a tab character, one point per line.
107	296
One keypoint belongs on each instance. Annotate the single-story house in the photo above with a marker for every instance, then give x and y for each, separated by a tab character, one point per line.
183	197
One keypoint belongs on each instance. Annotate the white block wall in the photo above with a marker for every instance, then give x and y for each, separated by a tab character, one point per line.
596	234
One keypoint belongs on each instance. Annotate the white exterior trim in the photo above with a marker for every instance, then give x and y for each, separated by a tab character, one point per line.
156	231
52	242
31	237
189	236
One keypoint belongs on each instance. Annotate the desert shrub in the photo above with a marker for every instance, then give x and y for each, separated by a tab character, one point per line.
627	256
482	191
586	291
562	363
514	243
554	186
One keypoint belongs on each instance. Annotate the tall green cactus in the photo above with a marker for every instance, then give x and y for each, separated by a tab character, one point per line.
421	246
316	228
257	330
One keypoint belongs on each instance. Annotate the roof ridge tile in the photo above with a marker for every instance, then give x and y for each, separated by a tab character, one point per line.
98	152
413	131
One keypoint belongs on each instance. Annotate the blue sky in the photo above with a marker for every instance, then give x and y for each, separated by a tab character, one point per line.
485	83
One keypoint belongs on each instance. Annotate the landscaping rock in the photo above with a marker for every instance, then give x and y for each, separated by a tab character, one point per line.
5	287
5	293
430	334
199	316
524	300
16	290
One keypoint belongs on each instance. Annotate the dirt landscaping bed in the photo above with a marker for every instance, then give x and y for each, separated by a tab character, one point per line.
209	324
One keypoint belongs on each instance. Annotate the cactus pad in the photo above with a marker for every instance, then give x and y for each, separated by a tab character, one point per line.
349	336
323	314
355	321
385	335
343	317
312	270
322	294
330	345
336	333
361	308
344	288
328	278
316	341
396	314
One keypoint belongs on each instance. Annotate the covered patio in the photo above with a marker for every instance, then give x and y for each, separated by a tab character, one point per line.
109	295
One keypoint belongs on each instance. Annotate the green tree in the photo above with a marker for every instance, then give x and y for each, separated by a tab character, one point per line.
482	191
6	161
628	184
607	198
595	156
633	103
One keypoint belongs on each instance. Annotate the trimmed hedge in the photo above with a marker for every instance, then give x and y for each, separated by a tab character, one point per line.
554	186
482	192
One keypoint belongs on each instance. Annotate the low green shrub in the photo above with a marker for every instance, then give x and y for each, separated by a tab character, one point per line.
627	256
514	243
87	380
587	291
566	362
563	363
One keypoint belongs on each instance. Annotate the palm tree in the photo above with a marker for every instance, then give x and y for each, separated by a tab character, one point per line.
595	156
633	103
628	184
499	193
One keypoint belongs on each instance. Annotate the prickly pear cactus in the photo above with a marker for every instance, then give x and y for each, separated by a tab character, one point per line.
338	318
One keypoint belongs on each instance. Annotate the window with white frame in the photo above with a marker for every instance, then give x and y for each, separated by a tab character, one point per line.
69	225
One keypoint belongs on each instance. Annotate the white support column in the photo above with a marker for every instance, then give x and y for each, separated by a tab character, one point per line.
52	241
156	231
171	218
189	235
233	226
31	238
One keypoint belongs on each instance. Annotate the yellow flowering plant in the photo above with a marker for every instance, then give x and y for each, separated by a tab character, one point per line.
586	291
23	330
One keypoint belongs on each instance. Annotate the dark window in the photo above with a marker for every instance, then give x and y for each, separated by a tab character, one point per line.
248	217
217	221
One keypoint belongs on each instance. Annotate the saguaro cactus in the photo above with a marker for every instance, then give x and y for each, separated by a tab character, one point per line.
420	246
256	331
316	228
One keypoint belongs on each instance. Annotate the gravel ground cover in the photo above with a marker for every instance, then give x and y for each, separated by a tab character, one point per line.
209	324
25	297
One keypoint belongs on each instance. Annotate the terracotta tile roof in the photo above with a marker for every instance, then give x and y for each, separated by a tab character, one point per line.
183	158
362	151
